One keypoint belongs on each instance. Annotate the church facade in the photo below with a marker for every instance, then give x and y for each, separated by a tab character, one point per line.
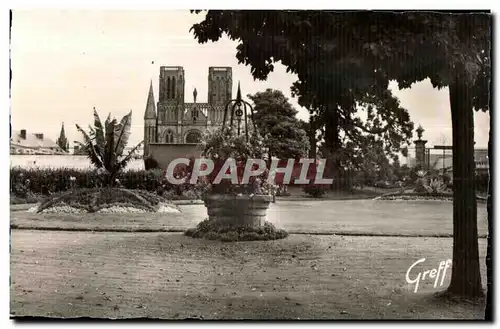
172	123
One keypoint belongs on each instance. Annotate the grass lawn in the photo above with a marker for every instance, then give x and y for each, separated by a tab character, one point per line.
171	276
372	217
357	217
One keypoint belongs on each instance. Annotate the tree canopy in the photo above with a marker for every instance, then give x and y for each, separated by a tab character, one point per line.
339	56
332	82
342	57
276	120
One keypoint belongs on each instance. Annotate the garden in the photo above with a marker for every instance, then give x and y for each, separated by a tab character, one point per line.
114	242
111	243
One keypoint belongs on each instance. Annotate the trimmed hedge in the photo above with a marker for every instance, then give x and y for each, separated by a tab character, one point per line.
48	181
26	183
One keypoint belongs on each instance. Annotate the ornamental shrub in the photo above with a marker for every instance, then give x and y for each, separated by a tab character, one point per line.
315	190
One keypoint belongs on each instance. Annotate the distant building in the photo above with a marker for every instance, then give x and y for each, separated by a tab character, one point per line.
173	127
23	142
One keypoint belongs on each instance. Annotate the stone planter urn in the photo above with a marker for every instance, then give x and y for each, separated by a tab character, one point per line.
238	210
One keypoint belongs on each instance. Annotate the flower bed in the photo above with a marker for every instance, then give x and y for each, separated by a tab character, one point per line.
417	196
105	200
445	196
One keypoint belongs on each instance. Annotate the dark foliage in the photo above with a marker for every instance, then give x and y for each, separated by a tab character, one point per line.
482	180
276	120
315	190
151	163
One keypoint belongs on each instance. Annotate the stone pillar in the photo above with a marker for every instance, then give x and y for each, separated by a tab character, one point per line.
420	153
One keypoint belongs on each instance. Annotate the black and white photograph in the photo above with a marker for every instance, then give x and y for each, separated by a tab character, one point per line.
308	164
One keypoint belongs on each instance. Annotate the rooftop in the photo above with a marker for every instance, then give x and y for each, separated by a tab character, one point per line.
24	139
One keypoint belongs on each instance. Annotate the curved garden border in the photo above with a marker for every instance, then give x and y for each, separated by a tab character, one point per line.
414	196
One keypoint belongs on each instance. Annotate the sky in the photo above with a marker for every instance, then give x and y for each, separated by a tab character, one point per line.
64	63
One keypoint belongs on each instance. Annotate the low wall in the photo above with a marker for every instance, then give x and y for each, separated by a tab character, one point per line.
165	153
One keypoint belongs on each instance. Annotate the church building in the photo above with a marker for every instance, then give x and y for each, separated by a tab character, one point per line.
172	122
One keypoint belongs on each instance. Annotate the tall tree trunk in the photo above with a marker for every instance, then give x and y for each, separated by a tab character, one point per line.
465	277
488	312
311	134
332	144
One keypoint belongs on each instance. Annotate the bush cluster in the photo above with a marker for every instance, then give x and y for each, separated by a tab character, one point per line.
210	230
424	184
315	190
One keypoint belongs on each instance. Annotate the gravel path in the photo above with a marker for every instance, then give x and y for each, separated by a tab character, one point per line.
164	275
171	276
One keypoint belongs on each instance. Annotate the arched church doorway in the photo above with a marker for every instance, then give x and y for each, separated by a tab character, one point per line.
193	137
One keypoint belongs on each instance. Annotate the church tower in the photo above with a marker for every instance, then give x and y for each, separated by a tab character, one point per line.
171	93
150	121
220	85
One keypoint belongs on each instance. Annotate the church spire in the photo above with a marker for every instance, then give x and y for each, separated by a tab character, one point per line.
62	141
150	105
63	133
238	94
